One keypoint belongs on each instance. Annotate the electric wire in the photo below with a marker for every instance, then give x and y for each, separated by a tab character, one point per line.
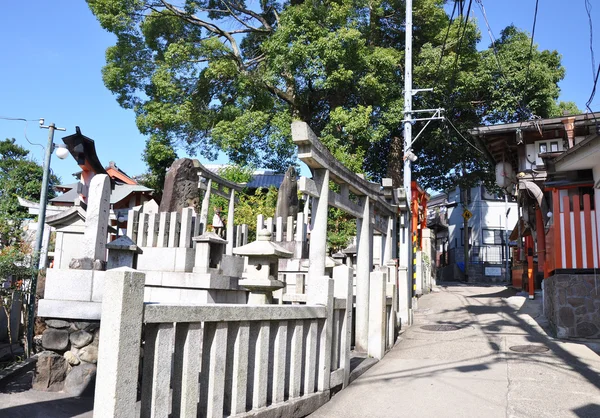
588	9
531	44
463	137
460	41
25	130
437	71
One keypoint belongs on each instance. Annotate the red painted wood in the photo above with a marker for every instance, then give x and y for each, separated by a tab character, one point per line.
589	235
557	254
567	213
578	237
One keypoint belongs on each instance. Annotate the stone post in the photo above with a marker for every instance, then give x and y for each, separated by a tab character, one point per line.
318	233
364	265
96	222
388	244
119	347
343	289
377	315
321	293
230	228
205	207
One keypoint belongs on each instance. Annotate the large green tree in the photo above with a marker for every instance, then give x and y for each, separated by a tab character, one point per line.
230	76
19	177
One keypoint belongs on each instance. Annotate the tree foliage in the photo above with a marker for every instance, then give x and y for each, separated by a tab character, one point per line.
229	76
19	176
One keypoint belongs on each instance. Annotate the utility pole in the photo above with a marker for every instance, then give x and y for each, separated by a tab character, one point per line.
409	156
39	234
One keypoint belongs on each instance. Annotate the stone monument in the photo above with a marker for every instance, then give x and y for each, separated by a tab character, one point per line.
181	187
287	197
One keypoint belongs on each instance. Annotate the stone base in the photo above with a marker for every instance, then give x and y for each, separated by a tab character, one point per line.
572	305
69	360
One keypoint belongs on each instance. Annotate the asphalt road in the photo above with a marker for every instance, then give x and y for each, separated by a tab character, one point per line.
473	370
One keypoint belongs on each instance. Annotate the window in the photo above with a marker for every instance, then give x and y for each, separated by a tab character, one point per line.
493	236
553	146
543	148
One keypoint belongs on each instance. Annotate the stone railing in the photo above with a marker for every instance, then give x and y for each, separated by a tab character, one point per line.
222	360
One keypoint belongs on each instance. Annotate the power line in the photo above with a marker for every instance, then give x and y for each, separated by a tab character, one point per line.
437	71
588	9
460	41
25	130
463	137
531	44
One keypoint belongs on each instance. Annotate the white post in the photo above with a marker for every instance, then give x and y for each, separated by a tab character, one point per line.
318	233
342	277
230	228
279	229
97	215
173	230
377	315
119	346
142	236
185	236
152	230
364	265
205	207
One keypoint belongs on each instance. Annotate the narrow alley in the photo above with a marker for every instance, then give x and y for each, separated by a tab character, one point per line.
476	352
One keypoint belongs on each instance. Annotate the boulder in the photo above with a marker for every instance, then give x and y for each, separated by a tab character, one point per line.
71	358
80	381
57	323
87	326
89	354
55	339
50	371
80	338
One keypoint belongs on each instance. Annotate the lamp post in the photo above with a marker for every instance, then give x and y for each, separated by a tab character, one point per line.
35	262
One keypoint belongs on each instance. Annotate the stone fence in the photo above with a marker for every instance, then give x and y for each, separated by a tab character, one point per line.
222	360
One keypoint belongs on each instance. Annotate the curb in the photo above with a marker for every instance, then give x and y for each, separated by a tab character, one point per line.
16	370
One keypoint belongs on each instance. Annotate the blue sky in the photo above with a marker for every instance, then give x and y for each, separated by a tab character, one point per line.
53	52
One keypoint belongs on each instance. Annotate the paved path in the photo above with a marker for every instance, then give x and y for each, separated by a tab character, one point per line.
472	372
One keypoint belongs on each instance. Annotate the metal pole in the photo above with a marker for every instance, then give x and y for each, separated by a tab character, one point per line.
507	256
407	139
39	234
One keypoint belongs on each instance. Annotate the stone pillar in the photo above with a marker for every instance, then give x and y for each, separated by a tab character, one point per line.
318	233
389	242
96	222
119	348
404	279
377	315
230	229
364	265
205	207
426	259
343	289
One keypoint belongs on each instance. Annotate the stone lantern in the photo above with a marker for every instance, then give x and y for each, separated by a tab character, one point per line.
122	252
209	252
260	276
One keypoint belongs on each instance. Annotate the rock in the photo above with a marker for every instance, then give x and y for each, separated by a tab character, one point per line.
586	330
80	381
55	339
89	354
81	264
71	358
37	344
99	265
87	326
50	370
57	323
80	338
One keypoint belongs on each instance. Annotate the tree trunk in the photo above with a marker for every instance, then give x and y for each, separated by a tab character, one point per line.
396	161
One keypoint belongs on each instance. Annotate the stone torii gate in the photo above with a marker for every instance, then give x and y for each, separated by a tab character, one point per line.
374	211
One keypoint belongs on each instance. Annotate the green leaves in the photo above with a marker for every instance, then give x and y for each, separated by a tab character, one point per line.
211	76
19	177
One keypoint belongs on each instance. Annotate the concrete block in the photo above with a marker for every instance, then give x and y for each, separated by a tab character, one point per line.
184	259
69	285
69	309
157	259
97	286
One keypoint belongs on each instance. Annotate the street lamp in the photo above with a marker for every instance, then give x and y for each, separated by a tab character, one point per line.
61	153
